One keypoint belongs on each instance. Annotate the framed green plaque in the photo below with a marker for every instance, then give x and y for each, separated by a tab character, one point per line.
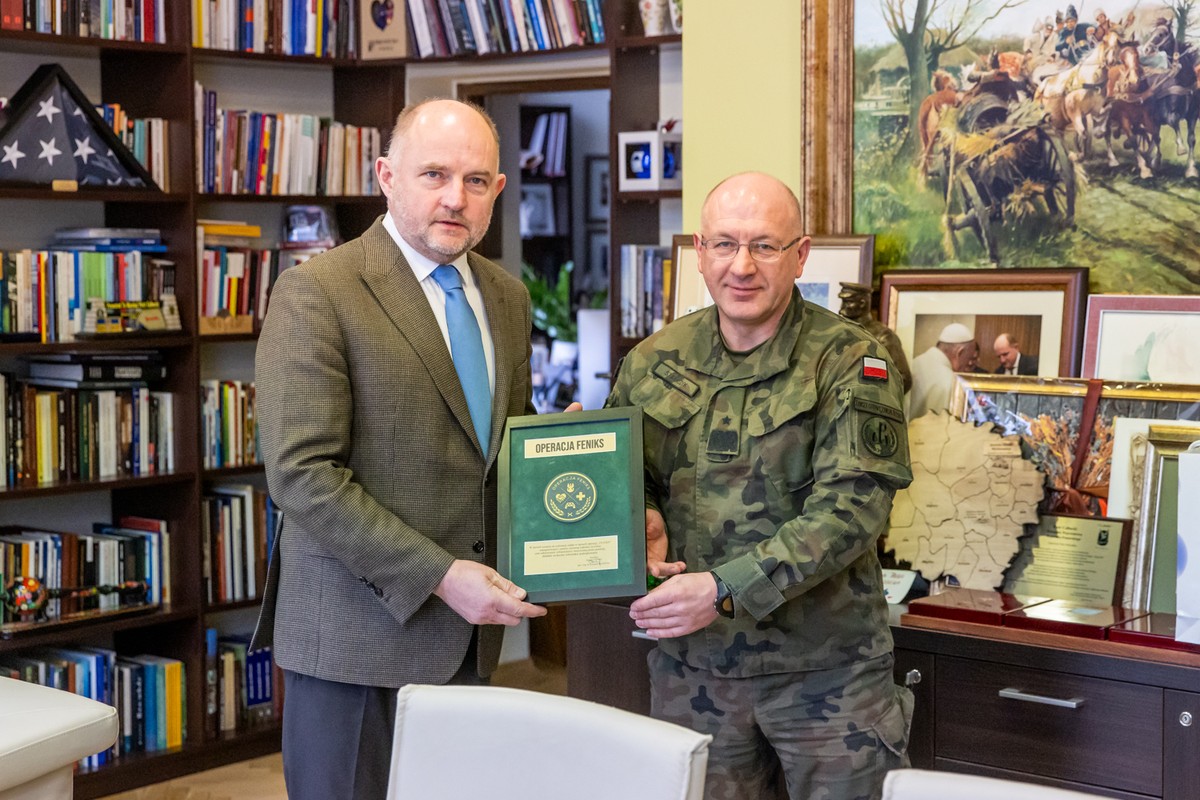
572	508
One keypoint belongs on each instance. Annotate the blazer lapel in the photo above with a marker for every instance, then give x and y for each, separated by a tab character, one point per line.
391	280
499	324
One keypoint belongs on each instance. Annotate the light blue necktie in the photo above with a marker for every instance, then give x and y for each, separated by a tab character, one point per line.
466	348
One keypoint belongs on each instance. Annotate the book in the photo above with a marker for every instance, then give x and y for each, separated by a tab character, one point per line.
111	370
382	30
222	227
93	234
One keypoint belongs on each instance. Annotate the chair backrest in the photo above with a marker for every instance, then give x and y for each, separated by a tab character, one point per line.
920	784
464	742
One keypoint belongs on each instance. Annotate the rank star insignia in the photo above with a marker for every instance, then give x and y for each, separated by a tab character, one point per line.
726	420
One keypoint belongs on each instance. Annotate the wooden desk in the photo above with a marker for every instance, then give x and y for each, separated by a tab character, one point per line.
1134	730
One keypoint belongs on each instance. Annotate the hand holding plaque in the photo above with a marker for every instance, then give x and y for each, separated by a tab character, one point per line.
571	505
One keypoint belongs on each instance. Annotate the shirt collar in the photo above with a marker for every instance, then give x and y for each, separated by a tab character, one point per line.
421	266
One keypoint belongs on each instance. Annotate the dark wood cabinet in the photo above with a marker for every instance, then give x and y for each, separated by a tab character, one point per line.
1116	721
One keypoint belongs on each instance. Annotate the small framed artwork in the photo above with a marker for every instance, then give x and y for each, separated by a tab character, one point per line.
1142	338
597	258
832	261
685	291
1044	308
1156	541
596	187
537	217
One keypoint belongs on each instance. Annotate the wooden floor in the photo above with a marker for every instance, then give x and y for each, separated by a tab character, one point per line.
262	778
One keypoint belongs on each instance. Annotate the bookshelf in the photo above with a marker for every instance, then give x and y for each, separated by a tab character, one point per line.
156	79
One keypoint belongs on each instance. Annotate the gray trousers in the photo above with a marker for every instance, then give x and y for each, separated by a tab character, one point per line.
337	737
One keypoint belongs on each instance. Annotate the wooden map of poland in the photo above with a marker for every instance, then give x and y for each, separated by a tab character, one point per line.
971	493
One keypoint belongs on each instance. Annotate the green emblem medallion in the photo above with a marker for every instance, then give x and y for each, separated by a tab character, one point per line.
570	497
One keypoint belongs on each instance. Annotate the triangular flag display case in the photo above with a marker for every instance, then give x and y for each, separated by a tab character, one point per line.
49	133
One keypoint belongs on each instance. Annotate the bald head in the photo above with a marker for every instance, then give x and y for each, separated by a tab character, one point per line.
766	190
439	110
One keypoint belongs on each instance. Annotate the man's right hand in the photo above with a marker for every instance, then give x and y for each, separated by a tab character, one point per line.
482	596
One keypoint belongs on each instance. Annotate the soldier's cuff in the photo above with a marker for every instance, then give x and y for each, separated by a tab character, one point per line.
753	591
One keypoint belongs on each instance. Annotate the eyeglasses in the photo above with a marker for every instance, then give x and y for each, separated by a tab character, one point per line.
762	252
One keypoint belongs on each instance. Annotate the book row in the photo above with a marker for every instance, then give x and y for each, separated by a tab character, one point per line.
228	430
286	27
126	20
148	691
455	27
145	138
237	523
58	434
243	687
134	553
49	292
263	153
643	270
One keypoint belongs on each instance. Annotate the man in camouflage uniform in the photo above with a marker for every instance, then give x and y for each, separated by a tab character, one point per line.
774	442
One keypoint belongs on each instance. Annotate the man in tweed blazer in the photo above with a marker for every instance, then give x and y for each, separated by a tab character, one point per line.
382	571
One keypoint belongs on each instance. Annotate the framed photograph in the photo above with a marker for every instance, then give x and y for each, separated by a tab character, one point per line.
832	261
597	260
1156	539
1142	338
537	217
571	522
596	187
686	291
1075	558
1044	308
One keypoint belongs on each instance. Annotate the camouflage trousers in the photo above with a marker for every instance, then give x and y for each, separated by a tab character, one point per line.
835	733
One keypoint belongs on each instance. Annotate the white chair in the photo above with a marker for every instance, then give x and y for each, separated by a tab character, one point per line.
920	784
43	732
466	742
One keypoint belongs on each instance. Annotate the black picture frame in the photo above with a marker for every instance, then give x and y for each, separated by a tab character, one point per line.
597	188
593	545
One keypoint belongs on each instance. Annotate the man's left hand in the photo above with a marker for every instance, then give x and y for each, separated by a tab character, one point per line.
680	606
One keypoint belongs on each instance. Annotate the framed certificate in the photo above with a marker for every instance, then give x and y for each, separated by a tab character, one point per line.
572	509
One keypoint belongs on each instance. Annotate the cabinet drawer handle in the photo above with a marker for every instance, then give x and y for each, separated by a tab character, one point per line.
641	634
1017	694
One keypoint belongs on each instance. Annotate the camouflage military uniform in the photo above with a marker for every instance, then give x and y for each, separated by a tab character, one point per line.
777	472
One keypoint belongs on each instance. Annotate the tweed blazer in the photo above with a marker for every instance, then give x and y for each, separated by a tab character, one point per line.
371	455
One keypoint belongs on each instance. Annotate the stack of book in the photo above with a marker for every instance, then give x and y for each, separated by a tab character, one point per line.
643	269
46	294
244	687
84	417
256	152
228	427
148	692
286	27
133	549
455	27
142	21
236	523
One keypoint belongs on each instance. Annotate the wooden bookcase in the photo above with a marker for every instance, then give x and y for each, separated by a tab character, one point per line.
157	80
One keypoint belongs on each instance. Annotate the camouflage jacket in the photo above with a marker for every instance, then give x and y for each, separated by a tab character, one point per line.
778	474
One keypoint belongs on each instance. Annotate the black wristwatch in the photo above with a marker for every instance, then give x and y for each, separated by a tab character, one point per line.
724	602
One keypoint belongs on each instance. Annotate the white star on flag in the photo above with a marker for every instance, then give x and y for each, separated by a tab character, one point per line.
47	109
83	148
12	154
49	151
78	112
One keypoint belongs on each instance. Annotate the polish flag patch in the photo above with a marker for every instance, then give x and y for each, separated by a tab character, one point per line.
874	369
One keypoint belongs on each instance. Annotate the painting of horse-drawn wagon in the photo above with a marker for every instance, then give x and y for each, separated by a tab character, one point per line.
1020	133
